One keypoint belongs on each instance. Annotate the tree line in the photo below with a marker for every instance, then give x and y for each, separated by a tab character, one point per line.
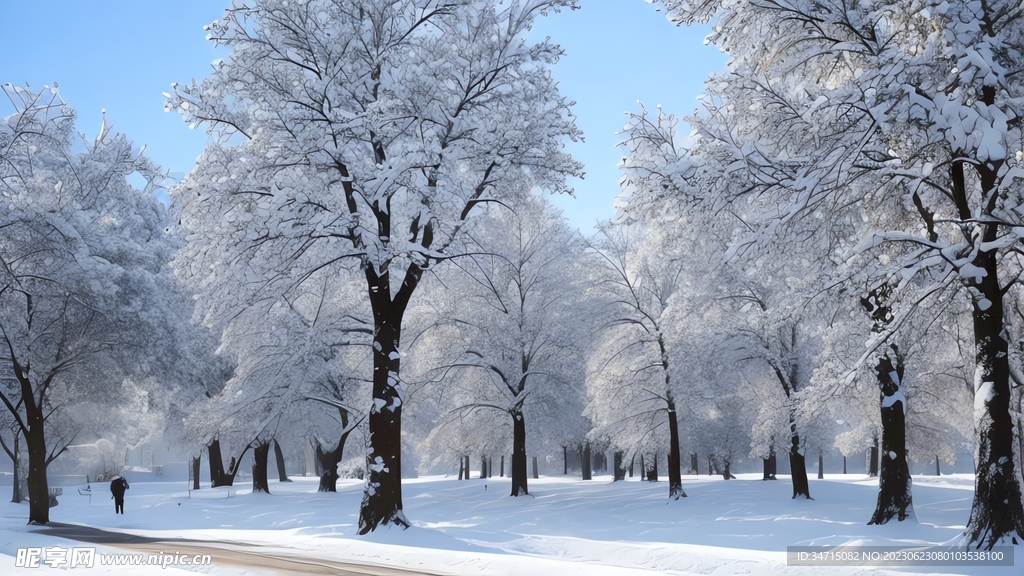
829	261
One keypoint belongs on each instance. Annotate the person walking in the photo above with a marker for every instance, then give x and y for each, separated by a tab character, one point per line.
117	487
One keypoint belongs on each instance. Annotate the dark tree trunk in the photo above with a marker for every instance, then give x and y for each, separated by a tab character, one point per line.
38	486
382	497
643	468
938	471
797	466
501	472
726	474
652	468
585	462
798	470
844	464
234	466
693	464
565	460
894	497
873	460
217	476
536	472
15	455
328	461
770	465
997	510
328	465
196	463
318	452
260	455
466	463
483	467
675	478
519	487
282	474
821	466
712	469
490	467
620	471
631	461
462	467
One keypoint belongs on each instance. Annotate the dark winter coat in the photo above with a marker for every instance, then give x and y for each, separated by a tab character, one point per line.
118	486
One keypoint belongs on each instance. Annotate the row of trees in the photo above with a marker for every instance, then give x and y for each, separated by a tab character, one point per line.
881	137
365	230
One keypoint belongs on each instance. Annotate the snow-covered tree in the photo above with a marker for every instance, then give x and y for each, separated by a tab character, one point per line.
365	133
83	264
900	108
631	374
519	318
295	376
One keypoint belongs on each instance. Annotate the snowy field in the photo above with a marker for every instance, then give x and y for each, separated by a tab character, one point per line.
565	527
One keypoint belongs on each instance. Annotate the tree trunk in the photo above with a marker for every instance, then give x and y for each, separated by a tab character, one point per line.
631	461
501	472
218	476
536	472
821	466
997	510
466	462
620	471
643	468
490	467
519	487
15	455
797	466
318	452
894	497
216	465
712	469
462	467
565	460
483	467
328	465
260	455
585	462
38	487
938	471
770	465
873	460
327	461
282	474
382	497
675	478
844	464
196	463
726	474
652	468
693	464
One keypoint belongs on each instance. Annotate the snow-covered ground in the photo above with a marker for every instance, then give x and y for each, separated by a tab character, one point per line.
566	526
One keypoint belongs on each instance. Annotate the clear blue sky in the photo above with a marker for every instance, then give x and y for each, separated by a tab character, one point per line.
121	55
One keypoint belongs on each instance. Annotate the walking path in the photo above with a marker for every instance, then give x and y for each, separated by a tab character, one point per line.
230	553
